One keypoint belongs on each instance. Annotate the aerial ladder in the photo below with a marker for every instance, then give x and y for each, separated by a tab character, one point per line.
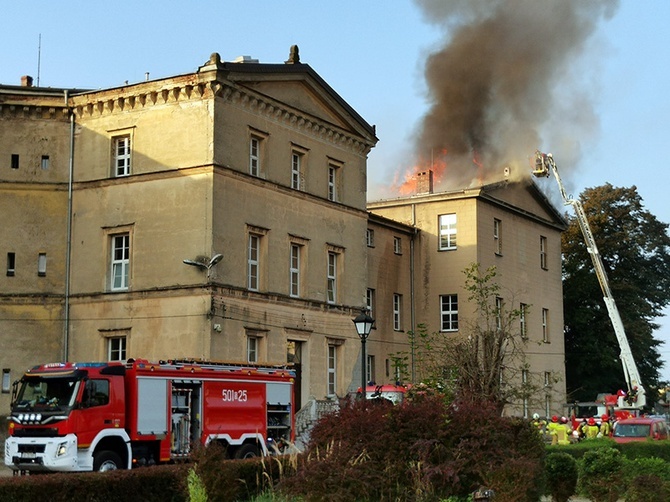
635	397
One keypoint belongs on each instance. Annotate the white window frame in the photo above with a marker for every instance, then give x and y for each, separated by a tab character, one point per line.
255	155
331	290
253	262
11	264
448	313
332	182
6	380
370	302
370	238
117	348
543	252
120	262
253	344
497	236
44	162
122	155
523	327
498	313
447	232
545	325
294	270
297	181
42	264
547	405
331	377
524	381
397	312
370	369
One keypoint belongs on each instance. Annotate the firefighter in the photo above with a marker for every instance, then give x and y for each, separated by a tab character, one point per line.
591	430
551	429
605	426
562	432
538	423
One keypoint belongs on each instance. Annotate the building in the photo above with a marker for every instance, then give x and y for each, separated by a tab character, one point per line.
222	215
509	225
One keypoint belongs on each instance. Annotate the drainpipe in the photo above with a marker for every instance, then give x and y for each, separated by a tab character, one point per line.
68	244
411	292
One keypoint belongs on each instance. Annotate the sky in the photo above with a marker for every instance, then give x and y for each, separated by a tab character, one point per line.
604	117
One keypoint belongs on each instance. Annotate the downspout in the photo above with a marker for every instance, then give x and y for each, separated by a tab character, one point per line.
68	243
411	291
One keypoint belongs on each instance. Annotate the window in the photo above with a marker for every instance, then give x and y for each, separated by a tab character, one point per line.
255	156
370	238
332	277
543	252
6	380
116	348
96	393
332	182
397	308
121	155
11	264
370	369
252	349
449	312
497	236
120	262
524	381
296	171
547	406
42	264
370	302
547	379
253	262
45	162
332	370
523	330
447	232
294	271
397	245
545	325
15	161
499	313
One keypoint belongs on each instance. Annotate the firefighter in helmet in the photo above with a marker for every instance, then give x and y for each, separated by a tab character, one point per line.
591	429
538	423
605	426
562	432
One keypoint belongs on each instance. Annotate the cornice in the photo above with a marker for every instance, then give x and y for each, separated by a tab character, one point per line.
143	96
32	111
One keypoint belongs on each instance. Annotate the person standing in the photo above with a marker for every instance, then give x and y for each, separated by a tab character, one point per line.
591	430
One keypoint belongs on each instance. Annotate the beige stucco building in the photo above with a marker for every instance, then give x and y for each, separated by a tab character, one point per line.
222	215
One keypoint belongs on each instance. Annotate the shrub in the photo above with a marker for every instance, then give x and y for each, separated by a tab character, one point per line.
420	450
561	476
601	474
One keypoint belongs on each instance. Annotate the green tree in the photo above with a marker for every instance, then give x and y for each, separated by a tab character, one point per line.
634	247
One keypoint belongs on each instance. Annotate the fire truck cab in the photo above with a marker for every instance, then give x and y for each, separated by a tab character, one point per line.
103	416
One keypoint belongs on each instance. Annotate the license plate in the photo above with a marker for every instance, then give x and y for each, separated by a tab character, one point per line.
28	455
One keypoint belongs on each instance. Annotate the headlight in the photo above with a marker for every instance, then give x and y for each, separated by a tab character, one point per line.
61	450
32	417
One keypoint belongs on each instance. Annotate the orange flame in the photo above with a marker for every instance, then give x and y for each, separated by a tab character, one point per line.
436	164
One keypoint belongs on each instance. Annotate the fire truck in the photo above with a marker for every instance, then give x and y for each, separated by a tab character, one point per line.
624	403
100	416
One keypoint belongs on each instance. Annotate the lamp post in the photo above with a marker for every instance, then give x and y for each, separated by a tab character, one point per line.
363	323
205	265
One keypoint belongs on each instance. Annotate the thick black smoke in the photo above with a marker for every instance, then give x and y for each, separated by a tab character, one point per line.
505	68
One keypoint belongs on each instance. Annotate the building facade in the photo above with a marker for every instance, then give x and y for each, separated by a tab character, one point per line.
508	225
222	215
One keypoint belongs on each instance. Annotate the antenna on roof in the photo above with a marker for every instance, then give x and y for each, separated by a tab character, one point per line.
39	57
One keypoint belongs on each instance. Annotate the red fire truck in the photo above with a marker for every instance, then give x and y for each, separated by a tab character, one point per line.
104	416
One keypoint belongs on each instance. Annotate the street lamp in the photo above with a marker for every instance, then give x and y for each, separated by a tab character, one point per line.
205	265
363	323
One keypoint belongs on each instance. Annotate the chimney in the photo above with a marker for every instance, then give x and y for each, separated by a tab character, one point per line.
424	182
26	81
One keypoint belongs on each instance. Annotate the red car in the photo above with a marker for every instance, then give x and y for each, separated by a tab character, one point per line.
640	429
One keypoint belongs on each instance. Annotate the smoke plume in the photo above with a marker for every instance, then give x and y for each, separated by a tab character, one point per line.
506	70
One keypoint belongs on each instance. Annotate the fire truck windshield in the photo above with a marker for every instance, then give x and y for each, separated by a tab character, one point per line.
48	394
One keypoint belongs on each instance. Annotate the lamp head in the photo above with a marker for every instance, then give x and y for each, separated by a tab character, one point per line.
363	323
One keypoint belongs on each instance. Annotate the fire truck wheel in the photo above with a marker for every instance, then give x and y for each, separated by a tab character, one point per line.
247	451
106	461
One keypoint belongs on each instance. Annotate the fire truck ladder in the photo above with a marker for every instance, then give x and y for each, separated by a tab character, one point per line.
544	166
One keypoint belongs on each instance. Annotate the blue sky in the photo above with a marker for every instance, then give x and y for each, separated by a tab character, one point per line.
372	52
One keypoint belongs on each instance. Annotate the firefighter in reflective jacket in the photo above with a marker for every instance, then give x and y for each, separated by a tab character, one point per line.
605	426
538	423
591	429
562	433
551	429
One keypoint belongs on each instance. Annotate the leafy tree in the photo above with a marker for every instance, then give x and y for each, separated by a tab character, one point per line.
634	247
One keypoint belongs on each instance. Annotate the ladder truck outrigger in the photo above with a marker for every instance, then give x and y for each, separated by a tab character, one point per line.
634	398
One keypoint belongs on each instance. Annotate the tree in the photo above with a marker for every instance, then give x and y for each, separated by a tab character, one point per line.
634	247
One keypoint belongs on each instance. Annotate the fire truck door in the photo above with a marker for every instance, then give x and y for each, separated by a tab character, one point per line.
152	406
96	413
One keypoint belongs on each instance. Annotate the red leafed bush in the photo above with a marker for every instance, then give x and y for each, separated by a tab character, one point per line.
423	449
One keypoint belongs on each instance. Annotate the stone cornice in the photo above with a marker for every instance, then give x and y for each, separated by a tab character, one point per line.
32	111
141	96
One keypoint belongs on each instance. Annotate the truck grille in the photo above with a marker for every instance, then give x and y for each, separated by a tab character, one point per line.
31	448
36	433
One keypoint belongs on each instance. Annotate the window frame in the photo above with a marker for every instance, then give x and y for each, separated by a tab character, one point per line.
543	253
253	348
253	261
255	142
120	350
370	300
297	175
497	236
122	162
11	264
295	255
332	275
397	312
545	325
121	263
397	245
331	370
523	325
6	380
370	238
449	316
447	231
